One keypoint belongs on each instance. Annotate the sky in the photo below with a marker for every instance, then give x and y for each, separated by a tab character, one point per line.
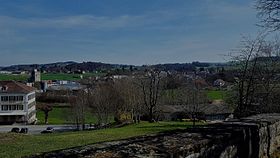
123	31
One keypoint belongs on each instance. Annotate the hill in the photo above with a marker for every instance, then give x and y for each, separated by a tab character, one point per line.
71	66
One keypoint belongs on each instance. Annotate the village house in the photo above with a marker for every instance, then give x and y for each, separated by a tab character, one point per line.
17	103
219	83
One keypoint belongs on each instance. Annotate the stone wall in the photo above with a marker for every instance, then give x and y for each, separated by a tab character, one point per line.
252	137
267	133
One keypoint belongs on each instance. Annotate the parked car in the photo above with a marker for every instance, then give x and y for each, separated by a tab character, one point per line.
48	130
23	130
15	130
90	127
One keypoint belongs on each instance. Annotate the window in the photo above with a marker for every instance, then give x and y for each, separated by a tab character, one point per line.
21	98
19	107
4	107
11	107
4	98
31	105
4	88
31	114
12	98
32	96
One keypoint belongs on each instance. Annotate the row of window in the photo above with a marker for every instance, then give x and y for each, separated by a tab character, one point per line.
32	96
11	107
31	114
31	105
11	98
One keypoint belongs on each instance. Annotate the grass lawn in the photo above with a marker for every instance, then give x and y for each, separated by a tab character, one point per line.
18	145
56	116
216	94
48	76
5	77
61	115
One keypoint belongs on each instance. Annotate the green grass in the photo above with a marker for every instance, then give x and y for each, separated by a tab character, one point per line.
18	145
61	115
5	77
215	94
56	116
48	76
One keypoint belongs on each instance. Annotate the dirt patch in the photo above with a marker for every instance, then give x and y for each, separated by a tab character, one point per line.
218	102
9	137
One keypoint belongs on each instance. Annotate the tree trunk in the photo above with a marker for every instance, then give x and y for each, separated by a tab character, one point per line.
46	117
151	114
193	118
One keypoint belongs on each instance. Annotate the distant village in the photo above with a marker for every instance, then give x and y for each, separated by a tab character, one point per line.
206	77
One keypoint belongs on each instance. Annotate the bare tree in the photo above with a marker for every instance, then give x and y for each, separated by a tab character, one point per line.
194	99
267	72
171	84
150	86
79	107
131	95
104	101
256	62
46	109
269	13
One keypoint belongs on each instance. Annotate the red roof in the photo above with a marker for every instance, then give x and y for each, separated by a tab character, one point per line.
15	87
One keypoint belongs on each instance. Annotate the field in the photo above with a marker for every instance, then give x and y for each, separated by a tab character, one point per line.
48	76
216	94
211	94
61	115
18	145
5	77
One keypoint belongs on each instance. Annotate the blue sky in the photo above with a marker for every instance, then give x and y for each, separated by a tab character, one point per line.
122	31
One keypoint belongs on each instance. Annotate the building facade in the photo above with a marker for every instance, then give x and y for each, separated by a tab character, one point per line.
17	103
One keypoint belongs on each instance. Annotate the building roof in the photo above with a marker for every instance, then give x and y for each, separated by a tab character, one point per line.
68	86
15	87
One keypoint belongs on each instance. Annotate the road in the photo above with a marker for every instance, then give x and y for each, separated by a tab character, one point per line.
36	129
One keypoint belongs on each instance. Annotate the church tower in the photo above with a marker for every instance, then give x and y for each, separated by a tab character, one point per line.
35	76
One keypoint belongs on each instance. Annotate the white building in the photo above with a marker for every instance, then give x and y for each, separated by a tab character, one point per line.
17	103
219	83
